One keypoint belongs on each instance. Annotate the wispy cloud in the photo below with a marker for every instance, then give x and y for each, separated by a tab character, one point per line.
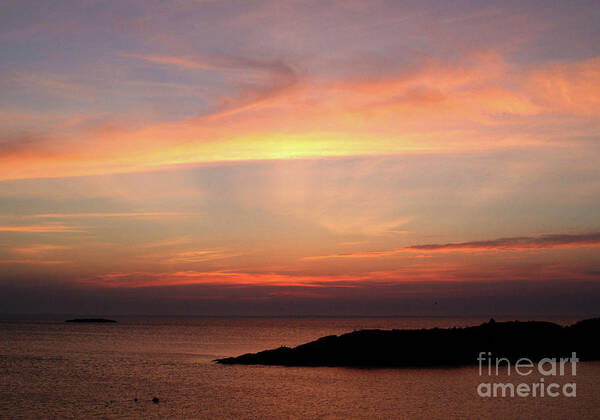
413	274
33	262
480	99
279	75
100	215
225	278
523	242
501	244
39	249
52	83
41	229
199	255
217	62
167	243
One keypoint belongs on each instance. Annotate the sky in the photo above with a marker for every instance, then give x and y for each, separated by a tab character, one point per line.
300	157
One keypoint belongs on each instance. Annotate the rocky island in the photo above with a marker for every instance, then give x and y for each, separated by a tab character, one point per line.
91	320
437	347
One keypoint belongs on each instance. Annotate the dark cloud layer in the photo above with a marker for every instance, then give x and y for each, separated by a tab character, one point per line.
500	244
523	242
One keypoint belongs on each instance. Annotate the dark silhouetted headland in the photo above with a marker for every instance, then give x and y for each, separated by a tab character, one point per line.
91	320
437	347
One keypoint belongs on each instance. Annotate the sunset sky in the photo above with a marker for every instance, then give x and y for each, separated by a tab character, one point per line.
300	157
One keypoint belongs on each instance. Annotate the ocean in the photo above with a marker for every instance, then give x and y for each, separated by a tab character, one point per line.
52	369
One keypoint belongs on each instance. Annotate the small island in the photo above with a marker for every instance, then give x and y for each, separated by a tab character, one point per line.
437	347
91	320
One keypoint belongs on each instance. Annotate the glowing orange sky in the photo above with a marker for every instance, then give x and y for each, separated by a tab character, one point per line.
435	107
271	151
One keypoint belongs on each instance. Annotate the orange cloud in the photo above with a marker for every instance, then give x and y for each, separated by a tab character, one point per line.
41	229
86	215
33	262
229	278
166	243
570	88
198	255
411	274
38	249
434	107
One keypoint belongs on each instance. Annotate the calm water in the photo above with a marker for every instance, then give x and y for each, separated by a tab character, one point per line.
50	369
